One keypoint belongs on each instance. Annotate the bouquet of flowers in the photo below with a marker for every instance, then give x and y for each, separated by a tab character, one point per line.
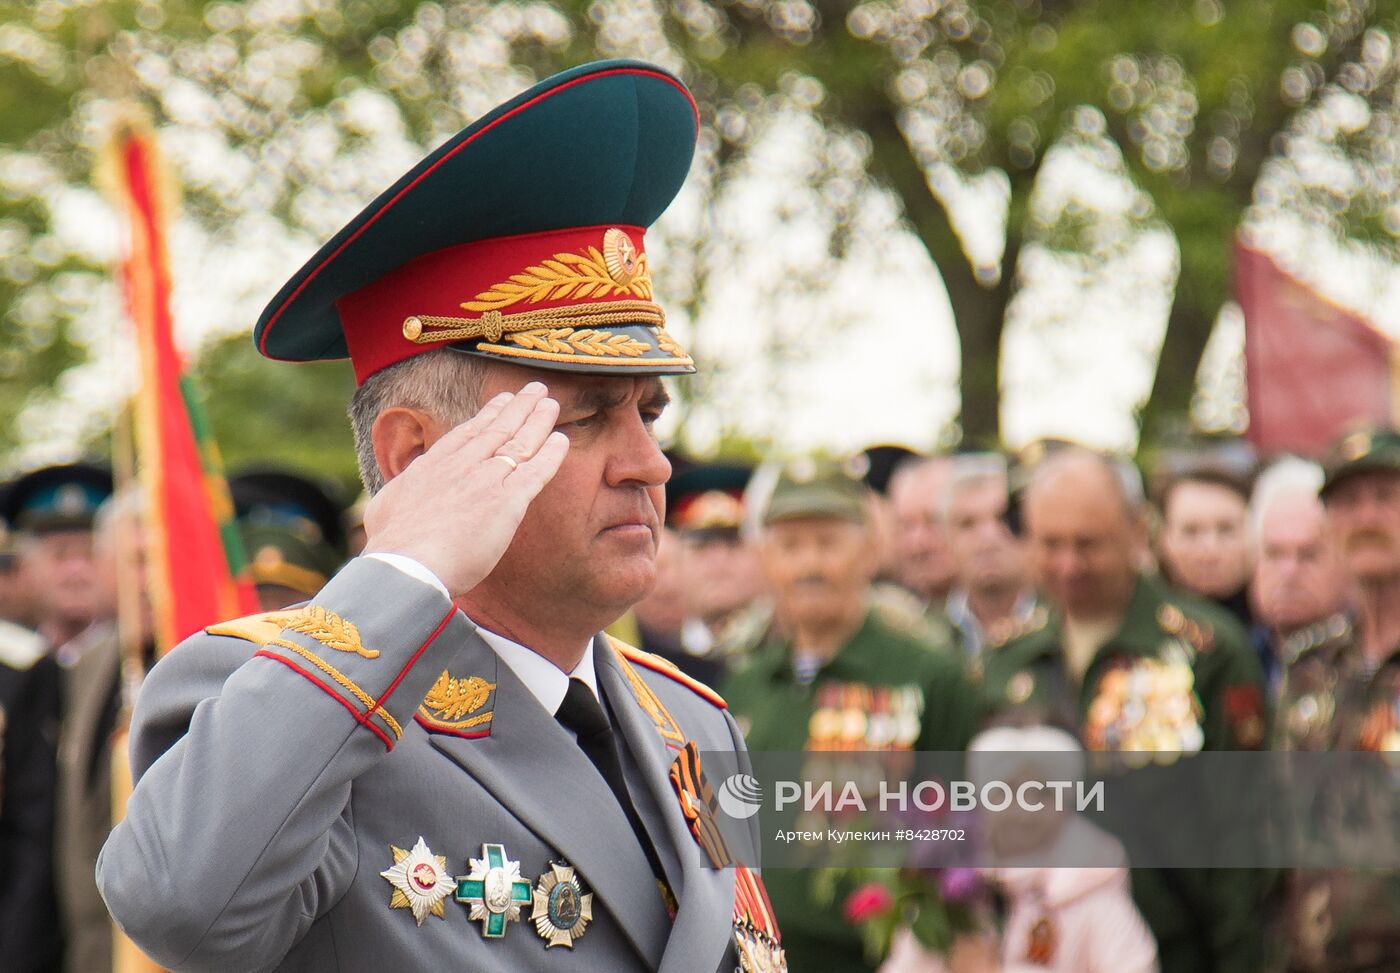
936	904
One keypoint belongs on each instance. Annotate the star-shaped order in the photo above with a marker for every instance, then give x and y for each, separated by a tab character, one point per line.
420	881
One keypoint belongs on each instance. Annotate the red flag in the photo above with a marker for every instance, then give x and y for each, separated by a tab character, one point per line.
1312	368
194	560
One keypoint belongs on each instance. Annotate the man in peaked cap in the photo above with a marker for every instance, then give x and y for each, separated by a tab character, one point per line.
705	506
51	511
293	532
438	762
1341	692
310	510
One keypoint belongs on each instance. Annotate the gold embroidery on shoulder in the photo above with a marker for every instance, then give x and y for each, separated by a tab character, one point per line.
656	711
328	628
1173	621
453	698
259	629
344	681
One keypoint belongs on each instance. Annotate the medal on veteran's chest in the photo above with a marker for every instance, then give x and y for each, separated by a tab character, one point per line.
420	881
561	909
493	890
1147	710
757	941
855	717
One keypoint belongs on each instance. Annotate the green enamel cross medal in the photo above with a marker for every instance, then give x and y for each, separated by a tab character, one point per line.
494	890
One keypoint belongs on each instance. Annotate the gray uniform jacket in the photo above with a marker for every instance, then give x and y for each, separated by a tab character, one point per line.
278	767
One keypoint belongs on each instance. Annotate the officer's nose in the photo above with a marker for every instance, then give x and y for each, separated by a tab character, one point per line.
638	458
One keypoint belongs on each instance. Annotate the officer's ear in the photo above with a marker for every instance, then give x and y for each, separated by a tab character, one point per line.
400	435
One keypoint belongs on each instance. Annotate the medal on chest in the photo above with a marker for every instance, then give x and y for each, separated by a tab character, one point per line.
1145	707
757	941
420	881
493	890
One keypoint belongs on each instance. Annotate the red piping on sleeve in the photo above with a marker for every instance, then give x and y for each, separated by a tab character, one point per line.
360	718
409	664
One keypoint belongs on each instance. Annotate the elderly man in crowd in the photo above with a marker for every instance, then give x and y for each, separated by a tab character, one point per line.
1085	518
1335	588
920	544
836	675
1300	591
92	701
992	593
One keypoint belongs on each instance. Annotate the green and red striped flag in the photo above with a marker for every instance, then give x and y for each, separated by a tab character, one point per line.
196	566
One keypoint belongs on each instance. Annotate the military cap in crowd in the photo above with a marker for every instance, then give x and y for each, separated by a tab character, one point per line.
296	567
309	510
56	498
706	501
1362	451
818	488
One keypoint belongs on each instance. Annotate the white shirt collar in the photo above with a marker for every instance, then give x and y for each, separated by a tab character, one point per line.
546	681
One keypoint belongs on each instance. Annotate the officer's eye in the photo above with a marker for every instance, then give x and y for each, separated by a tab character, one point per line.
581	423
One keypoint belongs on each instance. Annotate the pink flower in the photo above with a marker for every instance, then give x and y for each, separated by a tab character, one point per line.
959	884
870	901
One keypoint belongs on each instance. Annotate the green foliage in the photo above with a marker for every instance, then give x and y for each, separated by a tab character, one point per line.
266	413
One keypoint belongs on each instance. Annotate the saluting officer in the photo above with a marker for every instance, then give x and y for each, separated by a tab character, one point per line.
1138	668
439	762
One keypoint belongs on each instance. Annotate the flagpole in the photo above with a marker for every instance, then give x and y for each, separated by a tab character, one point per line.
128	532
126	956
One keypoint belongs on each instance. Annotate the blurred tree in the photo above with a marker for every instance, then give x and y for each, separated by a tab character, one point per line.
1197	94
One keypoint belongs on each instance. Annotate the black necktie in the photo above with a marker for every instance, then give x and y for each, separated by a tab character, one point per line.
582	713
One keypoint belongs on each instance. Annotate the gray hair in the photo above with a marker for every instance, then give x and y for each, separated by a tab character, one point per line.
1288	477
969	470
444	383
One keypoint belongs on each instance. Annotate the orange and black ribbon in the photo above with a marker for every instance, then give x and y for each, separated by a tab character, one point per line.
698	804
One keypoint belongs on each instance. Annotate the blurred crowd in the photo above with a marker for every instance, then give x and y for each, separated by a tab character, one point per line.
890	601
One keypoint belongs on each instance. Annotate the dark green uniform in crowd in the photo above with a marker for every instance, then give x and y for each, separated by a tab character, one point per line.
1339	920
886	689
1333	699
1177	676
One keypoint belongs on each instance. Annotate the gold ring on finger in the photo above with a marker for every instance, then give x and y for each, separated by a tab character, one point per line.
508	460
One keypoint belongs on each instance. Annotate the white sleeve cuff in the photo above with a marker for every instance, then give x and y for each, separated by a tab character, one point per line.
413	569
